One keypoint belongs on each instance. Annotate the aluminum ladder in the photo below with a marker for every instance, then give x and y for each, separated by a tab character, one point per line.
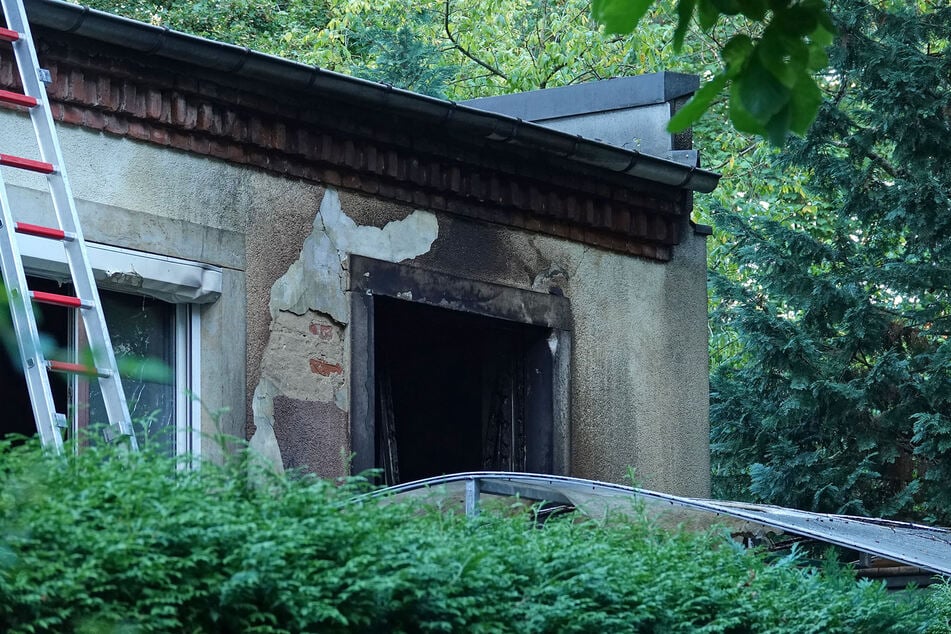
36	368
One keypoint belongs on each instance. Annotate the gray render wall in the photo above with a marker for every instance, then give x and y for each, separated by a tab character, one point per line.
275	346
639	388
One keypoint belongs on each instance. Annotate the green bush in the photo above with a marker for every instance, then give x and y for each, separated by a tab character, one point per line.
112	542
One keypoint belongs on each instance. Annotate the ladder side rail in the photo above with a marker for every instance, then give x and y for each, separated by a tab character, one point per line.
77	255
24	324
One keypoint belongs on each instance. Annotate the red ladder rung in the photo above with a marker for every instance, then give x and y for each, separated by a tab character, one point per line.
75	368
8	36
58	300
42	232
17	99
26	164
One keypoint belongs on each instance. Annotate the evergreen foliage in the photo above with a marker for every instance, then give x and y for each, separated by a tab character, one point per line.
110	542
836	394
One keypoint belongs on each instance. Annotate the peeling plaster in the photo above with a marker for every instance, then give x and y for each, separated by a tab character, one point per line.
317	280
305	357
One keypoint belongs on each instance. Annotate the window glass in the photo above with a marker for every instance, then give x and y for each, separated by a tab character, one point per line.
143	336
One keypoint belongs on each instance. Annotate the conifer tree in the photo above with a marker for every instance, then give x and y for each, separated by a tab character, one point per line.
836	393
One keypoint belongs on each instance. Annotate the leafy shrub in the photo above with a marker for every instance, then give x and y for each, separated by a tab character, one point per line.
112	542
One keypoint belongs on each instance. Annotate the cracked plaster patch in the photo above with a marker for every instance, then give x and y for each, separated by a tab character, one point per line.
317	280
293	363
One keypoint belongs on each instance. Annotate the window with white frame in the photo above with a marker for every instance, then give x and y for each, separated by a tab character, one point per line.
151	304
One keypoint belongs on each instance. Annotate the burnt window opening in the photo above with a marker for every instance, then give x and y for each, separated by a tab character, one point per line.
451	375
451	391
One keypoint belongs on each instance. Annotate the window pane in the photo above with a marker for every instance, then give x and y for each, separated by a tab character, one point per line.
143	336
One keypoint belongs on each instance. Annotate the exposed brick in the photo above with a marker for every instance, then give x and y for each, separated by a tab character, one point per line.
127	99
77	87
235	152
107	94
325	147
6	70
436	175
318	366
218	148
158	135
255	156
234	125
56	110
473	186
153	104
443	176
371	158
331	177
72	115
279	135
179	139
535	199
138	130
94	119
260	133
117	125
420	198
348	155
638	224
297	169
455	179
179	108
386	190
205	120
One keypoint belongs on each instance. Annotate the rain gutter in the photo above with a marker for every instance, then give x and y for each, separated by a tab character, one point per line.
244	64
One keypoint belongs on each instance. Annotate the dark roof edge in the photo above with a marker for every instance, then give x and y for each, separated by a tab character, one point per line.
254	66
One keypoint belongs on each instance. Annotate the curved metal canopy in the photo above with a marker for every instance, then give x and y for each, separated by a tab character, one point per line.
926	547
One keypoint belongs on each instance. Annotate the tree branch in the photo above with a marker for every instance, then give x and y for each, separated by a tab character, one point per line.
464	51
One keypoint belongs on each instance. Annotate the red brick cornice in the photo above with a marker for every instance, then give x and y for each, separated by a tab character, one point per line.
367	152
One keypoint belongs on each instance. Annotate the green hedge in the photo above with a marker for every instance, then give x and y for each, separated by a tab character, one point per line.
106	542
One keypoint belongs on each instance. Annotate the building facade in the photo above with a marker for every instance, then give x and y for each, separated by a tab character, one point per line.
352	276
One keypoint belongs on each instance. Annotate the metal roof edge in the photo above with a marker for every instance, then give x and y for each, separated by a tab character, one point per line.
247	64
906	542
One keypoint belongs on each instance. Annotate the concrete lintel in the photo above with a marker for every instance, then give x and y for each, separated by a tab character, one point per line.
370	276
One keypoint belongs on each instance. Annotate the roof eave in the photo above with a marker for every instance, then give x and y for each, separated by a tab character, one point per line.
249	65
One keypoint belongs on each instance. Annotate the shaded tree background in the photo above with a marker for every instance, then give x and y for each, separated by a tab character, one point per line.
833	391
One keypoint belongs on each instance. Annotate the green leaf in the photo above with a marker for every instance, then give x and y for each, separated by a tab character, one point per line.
736	52
698	104
753	9
823	35
740	117
728	7
804	104
797	20
818	58
707	15
783	56
684	13
619	16
761	93
778	126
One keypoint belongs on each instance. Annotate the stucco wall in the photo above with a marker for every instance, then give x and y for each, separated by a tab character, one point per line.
639	357
278	337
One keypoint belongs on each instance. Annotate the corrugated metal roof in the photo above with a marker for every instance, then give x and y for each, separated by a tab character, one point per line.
926	547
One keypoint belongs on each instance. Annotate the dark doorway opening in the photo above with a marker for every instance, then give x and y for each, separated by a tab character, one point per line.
453	392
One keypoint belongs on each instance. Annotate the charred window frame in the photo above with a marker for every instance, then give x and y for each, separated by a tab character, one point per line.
546	426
